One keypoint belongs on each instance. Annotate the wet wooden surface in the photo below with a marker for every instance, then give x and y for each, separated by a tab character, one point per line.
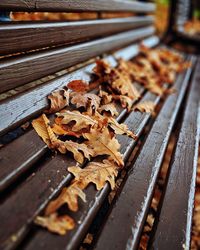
76	5
33	35
178	200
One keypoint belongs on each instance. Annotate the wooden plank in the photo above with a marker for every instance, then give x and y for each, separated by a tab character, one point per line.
29	148
24	69
43	239
178	198
132	205
76	5
25	209
18	36
18	109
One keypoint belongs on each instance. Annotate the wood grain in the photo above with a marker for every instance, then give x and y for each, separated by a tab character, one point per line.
18	36
178	197
133	203
76	5
24	69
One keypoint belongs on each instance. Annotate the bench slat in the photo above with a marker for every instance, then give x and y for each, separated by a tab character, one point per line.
179	195
76	5
33	35
124	226
18	109
26	205
42	239
24	69
27	156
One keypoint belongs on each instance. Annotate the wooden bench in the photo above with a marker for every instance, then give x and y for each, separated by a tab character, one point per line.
30	177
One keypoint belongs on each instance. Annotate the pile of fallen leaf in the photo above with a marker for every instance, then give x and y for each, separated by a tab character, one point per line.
82	120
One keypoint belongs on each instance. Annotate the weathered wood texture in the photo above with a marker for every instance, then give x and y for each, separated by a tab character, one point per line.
132	205
18	109
178	198
24	69
76	5
35	35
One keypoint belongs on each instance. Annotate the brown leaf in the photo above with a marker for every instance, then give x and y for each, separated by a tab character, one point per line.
69	196
78	85
102	67
154	88
56	224
82	121
126	101
97	173
101	143
146	106
83	100
44	130
59	99
124	86
105	97
120	129
109	108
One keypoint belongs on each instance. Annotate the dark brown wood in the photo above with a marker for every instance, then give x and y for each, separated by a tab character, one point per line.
132	205
76	5
23	69
17	36
43	240
179	194
29	148
18	109
41	184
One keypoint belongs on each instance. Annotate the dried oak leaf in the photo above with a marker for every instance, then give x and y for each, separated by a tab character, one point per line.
84	99
78	85
105	97
125	101
82	121
110	107
101	143
44	130
123	84
97	173
102	68
120	129
58	100
154	88
75	148
56	224
146	106
69	195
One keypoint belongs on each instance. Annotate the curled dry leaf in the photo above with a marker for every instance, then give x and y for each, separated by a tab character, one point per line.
105	97
69	196
56	224
78	85
155	89
123	85
84	99
109	108
44	130
126	101
58	100
82	121
97	173
120	129
102	68
146	106
101	143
